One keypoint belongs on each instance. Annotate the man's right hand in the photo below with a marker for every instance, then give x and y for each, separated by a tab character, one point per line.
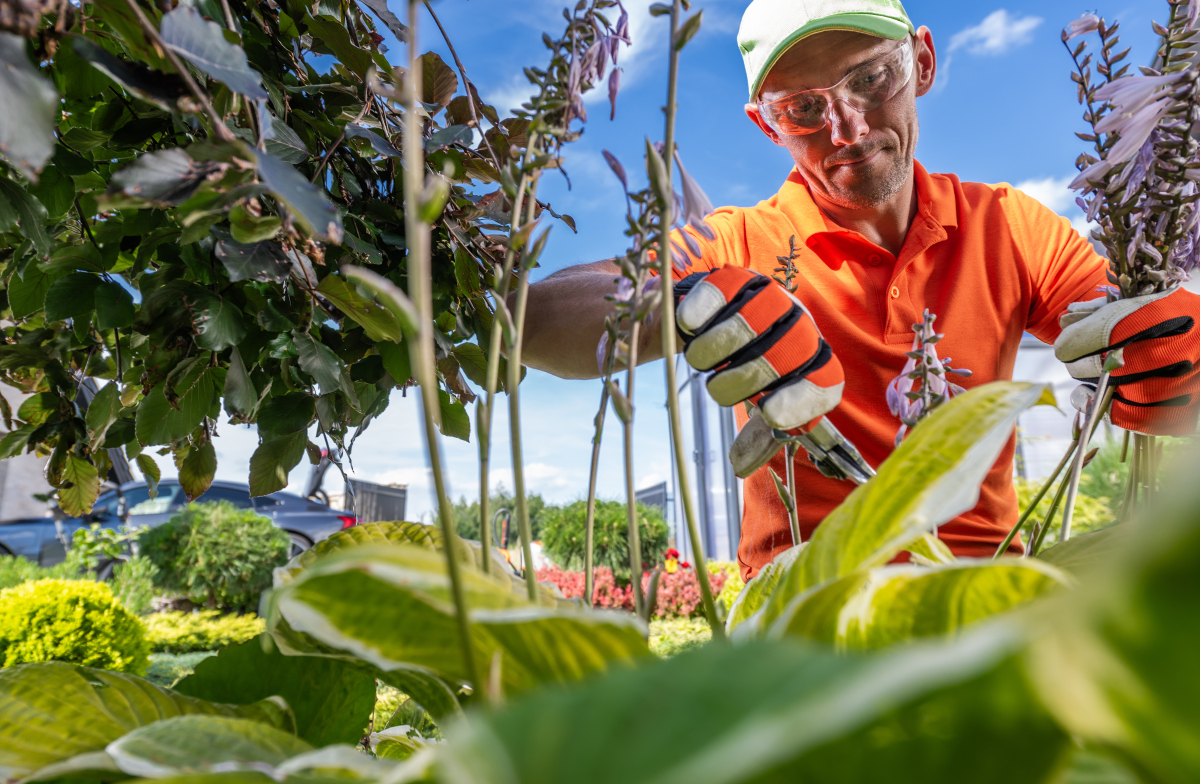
763	345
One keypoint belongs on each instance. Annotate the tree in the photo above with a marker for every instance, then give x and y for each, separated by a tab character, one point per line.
563	532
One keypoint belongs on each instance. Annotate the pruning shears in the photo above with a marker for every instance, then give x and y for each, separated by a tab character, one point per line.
832	453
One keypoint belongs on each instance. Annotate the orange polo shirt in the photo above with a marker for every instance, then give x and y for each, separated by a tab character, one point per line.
991	262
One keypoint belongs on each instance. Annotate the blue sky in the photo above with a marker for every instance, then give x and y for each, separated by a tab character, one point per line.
1003	110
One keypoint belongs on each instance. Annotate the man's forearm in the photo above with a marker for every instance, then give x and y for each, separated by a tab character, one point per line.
564	320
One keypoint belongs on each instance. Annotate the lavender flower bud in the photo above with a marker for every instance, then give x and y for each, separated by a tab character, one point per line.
1088	23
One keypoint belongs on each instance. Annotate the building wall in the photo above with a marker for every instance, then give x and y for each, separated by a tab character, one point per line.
22	476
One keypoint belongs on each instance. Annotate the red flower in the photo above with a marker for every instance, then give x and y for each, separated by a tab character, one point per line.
685	565
671	553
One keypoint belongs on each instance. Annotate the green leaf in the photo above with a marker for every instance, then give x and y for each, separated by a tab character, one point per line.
455	423
197	469
31	112
150	472
1085	552
376	320
40	408
104	409
203	42
52	711
246	228
271	462
195	744
30	214
398	28
378	143
85	139
367	601
281	415
756	592
166	178
319	361
931	478
158	422
239	393
27	296
309	206
72	296
56	191
286	144
776	712
395	360
69	258
16	440
81	486
687	30
263	261
334	35
473	362
901	602
219	323
114	306
156	87
332	700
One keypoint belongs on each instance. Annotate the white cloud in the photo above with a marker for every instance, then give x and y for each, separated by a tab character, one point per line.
996	34
1051	191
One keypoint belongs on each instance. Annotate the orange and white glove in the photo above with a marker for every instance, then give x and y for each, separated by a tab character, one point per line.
763	345
1157	391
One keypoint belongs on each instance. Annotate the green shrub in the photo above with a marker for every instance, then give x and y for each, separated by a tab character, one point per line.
672	636
466	516
1091	514
564	529
133	584
15	570
76	621
206	630
216	553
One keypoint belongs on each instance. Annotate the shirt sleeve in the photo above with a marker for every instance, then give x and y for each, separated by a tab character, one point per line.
699	254
1062	265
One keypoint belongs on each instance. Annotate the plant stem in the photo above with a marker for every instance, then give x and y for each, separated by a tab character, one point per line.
421	345
668	346
341	136
219	128
1037	499
790	477
1101	400
635	539
589	537
1035	545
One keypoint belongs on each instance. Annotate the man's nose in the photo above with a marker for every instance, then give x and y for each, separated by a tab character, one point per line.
846	124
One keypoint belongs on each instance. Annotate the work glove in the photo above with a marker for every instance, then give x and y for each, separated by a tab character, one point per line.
1157	390
765	349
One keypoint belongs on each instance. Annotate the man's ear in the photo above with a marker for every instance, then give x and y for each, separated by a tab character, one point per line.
756	117
925	60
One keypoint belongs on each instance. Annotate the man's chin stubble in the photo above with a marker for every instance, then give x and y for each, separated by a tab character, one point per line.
873	190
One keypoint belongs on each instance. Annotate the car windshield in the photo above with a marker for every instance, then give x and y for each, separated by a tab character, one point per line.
139	502
239	498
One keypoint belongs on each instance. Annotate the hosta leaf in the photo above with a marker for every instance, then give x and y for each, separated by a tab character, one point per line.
271	462
1116	659
932	477
158	422
166	178
31	215
901	602
82	486
202	42
398	28
376	320
263	261
197	469
308	203
369	601
72	296
332	700
53	711
775	712
30	109
1084	552
291	412
756	592
114	306
219	323
195	744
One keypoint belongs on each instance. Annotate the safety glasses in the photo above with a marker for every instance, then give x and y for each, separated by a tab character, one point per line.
865	88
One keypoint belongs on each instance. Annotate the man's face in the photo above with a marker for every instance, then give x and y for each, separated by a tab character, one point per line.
858	160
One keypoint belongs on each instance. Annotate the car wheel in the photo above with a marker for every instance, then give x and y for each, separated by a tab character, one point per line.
300	543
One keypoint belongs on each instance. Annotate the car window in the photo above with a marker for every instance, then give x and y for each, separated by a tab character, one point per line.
105	505
139	502
239	498
265	501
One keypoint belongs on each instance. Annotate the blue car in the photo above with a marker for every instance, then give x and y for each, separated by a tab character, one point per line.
43	539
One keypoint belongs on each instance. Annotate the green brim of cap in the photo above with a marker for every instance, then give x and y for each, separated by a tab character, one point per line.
869	24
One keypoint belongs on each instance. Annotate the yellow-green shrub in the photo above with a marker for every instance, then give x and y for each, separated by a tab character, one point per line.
76	621
1091	514
206	630
733	583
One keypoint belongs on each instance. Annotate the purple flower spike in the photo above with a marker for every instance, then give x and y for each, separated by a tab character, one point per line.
601	351
1088	23
624	289
616	167
614	84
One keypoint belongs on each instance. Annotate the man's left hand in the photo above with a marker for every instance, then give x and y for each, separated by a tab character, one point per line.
1157	391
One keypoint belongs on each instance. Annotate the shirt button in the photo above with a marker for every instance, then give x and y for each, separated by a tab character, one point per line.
895	292
874	259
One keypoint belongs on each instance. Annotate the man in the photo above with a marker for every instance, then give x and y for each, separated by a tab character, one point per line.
879	241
